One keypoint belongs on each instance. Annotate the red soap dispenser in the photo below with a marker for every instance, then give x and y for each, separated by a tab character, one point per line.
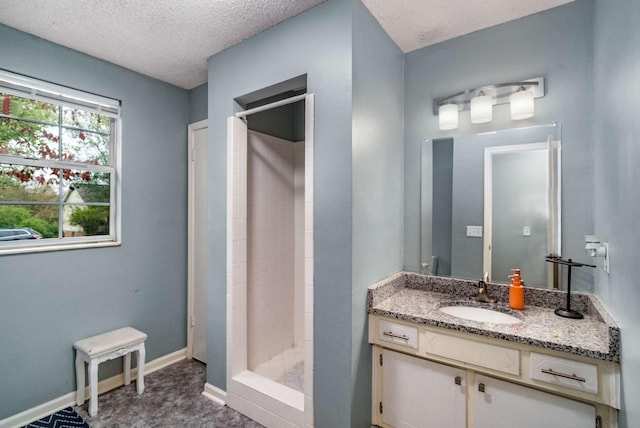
516	290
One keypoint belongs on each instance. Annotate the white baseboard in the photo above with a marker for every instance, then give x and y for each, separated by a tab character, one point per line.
162	362
39	412
105	385
215	394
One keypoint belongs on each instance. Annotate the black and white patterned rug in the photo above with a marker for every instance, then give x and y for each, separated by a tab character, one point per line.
65	418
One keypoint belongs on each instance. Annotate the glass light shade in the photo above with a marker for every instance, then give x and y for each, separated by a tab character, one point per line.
522	106
448	116
481	109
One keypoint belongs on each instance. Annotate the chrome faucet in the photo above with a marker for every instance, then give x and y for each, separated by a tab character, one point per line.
483	295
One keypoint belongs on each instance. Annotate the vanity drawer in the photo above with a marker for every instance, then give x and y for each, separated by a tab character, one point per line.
568	373
399	334
481	354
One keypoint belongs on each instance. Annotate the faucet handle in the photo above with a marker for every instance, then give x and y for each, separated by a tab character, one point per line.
483	295
482	287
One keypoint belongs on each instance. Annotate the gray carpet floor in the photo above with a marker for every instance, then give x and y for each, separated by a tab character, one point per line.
172	398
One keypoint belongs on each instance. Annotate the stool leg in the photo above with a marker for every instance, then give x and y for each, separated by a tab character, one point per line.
93	387
79	379
140	380
127	368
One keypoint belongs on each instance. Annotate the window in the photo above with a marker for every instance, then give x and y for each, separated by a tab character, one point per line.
58	166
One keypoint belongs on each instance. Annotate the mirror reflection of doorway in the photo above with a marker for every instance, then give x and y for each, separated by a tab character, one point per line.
517	212
442	208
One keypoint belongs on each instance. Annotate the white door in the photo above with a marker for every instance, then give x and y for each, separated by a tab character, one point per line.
419	393
507	405
198	206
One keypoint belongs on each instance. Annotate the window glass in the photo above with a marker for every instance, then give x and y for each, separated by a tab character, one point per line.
84	146
88	121
28	139
86	198
57	167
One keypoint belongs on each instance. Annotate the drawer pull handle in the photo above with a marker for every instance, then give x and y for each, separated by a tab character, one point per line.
566	376
458	380
397	336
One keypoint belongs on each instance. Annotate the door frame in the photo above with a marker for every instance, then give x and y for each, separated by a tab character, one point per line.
191	129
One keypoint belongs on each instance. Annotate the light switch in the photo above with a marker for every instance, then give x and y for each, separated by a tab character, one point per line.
526	231
474	231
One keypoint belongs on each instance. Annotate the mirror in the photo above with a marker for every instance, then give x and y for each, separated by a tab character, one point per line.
490	202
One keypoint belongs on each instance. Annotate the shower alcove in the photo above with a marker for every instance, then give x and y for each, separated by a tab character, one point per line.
270	262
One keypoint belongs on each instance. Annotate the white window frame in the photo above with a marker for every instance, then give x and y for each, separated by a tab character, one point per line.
27	87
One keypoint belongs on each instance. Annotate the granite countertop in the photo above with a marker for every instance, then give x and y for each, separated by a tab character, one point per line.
417	298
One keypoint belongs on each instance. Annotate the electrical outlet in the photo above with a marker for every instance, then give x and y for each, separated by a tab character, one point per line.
526	231
474	231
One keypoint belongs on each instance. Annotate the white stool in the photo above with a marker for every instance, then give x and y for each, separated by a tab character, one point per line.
103	347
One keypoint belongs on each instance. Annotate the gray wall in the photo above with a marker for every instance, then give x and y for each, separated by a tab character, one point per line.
557	44
617	174
198	100
50	300
316	43
378	68
350	144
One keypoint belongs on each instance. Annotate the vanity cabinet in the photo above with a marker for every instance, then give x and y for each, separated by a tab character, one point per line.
426	377
500	404
421	393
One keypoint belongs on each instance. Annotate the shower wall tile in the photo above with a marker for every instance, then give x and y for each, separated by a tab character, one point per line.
308	356
308	301
271	245
308	271
236	250
308	216
299	250
309	254
308	325
308	413
308	241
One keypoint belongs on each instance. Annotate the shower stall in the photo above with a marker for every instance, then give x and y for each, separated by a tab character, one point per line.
270	270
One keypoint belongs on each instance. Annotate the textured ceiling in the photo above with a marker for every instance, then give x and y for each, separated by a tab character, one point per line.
172	39
166	39
414	24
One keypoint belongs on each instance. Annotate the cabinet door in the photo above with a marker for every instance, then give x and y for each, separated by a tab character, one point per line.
421	394
507	405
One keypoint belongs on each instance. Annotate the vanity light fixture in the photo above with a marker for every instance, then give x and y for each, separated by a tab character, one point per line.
481	108
594	248
480	102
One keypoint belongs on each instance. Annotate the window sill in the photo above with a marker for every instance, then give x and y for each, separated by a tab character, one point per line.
59	247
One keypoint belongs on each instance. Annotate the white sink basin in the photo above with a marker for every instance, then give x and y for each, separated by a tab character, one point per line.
480	314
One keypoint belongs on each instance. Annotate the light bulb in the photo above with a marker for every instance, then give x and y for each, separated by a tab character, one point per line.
481	108
522	106
448	116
